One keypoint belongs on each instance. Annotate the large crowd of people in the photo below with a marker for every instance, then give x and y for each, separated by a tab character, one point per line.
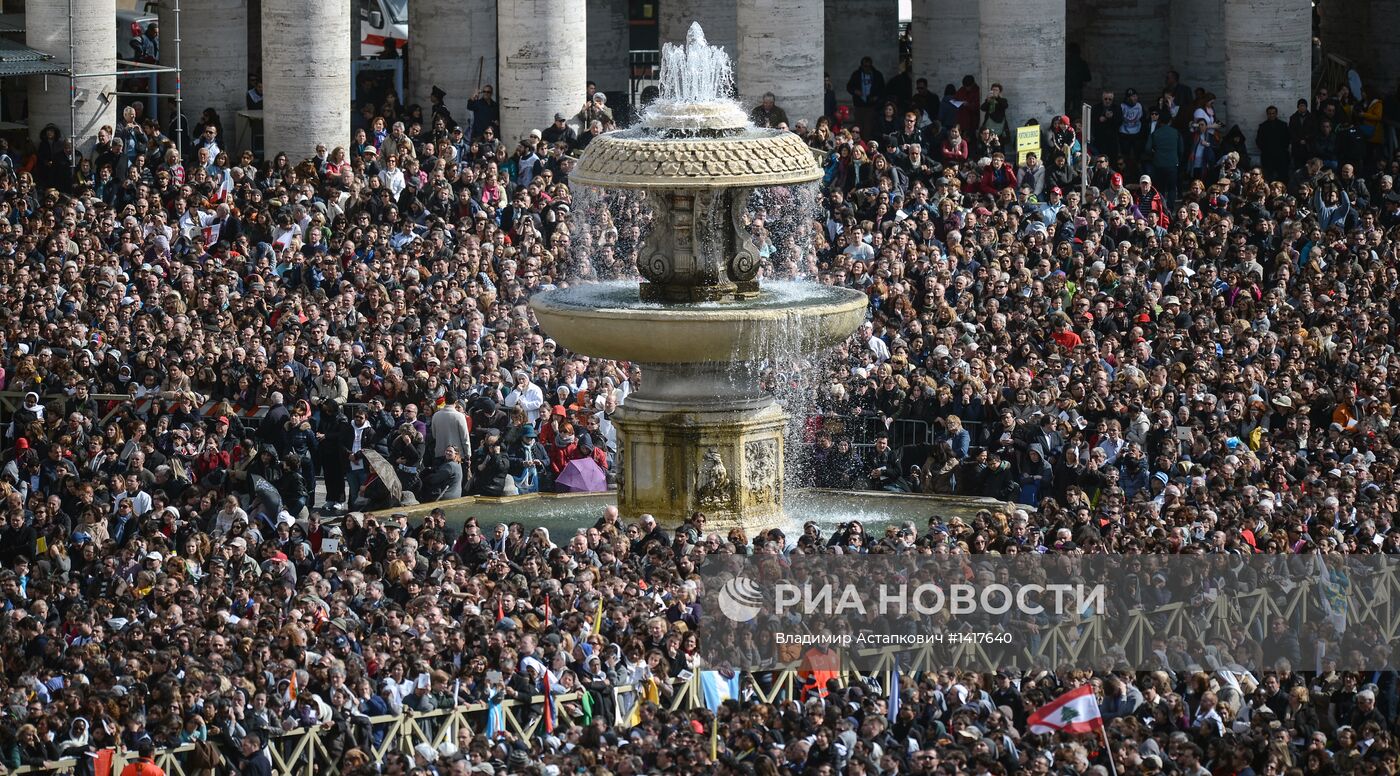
227	361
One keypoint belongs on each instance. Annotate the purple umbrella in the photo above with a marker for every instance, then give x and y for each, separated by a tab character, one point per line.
581	475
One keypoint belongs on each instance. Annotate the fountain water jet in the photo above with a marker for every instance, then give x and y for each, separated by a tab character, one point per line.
699	434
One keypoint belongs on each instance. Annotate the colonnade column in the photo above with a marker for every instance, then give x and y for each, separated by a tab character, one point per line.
544	63
1268	59
306	76
213	59
609	41
1023	48
856	29
781	51
94	50
452	45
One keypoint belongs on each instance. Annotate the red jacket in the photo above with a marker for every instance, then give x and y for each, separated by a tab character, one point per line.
559	457
1153	202
989	181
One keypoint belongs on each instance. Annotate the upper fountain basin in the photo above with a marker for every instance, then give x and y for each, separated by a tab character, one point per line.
644	159
607	320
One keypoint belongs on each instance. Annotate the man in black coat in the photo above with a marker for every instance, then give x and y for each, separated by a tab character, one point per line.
252	760
1273	140
867	89
1282	644
883	466
273	428
334	437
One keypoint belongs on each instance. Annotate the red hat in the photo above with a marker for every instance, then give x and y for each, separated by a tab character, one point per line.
22	444
560	411
223	420
1117	179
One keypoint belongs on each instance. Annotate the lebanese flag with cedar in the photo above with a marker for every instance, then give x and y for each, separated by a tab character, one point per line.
1077	711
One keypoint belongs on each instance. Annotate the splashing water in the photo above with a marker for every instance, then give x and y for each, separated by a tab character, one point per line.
697	87
695	72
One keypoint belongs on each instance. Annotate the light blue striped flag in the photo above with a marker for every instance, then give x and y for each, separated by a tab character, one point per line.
718	687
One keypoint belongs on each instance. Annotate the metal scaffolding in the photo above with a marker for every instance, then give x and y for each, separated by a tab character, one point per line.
133	68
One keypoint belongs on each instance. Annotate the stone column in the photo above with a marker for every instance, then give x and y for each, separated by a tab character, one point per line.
781	51
213	59
946	37
719	18
609	61
94	50
1123	42
452	45
1196	50
306	78
1023	49
860	28
544	61
1268	59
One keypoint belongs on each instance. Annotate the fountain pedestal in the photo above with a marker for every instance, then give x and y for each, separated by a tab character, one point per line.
693	442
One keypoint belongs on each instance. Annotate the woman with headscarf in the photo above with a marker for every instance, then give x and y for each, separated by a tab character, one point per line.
77	746
30	411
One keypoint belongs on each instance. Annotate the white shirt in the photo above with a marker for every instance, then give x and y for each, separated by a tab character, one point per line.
879	348
530	398
140	503
393	180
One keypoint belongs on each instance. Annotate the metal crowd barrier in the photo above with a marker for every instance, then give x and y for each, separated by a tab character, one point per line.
304	752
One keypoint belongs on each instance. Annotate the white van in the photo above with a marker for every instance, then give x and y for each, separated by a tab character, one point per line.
382	21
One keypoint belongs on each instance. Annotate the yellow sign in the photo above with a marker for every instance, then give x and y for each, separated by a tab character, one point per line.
1027	142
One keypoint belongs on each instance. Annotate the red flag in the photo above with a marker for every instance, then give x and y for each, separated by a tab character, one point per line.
548	704
102	764
1077	711
546	608
500	612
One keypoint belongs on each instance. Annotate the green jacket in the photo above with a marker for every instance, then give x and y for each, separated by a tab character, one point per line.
1164	147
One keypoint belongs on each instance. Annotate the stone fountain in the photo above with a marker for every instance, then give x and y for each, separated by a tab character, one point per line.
699	434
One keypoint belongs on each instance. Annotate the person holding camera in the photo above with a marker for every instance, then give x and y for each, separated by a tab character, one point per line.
406	449
491	467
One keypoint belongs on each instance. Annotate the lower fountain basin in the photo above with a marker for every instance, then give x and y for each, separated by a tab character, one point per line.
608	320
563	514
